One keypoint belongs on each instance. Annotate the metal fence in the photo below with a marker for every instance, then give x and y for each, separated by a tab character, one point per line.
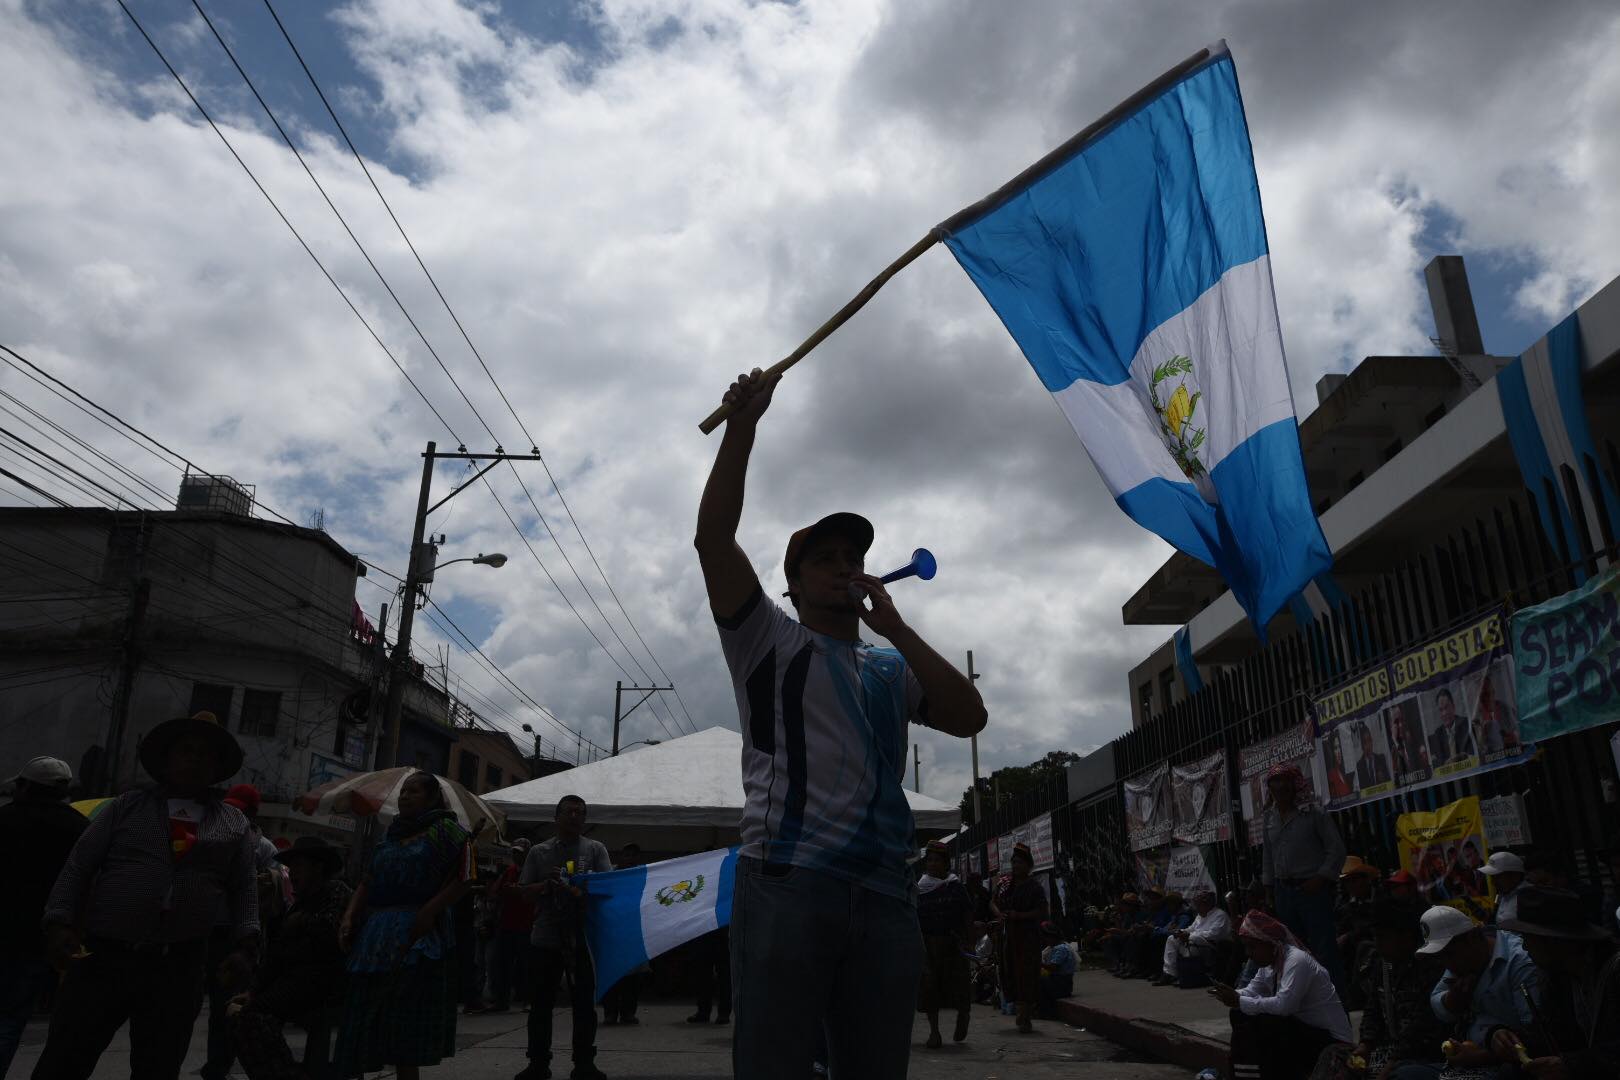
1502	557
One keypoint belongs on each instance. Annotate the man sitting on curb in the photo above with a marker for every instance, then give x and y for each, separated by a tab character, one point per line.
1200	942
1057	970
1487	981
1288	1013
1577	1034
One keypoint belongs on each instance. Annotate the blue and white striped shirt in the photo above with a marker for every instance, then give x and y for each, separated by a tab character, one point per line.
824	747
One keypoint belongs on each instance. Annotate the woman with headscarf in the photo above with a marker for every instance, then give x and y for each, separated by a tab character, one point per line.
1019	905
400	1008
1288	1013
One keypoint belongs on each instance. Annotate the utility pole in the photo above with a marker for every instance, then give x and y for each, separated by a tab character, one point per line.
139	596
978	811
618	698
916	769
419	572
374	703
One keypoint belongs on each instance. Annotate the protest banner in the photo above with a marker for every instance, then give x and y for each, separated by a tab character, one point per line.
1505	822
1152	868
1187	873
1440	711
1202	800
1148	813
1296	746
1040	842
992	856
1004	846
1444	850
1567	656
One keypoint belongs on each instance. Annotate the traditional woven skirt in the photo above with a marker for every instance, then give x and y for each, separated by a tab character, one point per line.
945	975
402	1017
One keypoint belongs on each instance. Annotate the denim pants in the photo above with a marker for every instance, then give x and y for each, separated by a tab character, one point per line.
1310	917
810	950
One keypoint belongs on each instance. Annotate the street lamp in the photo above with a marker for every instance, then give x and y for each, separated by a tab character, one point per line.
641	742
494	559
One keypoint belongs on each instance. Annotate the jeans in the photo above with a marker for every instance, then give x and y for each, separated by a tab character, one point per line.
809	949
158	992
22	980
547	966
510	960
1310	917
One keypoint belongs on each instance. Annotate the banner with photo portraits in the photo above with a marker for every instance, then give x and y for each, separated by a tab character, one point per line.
1437	712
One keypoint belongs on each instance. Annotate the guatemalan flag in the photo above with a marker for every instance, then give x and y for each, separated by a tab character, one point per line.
634	915
1133	272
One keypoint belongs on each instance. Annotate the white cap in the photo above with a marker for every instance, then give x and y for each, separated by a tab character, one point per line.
47	771
1441	925
1503	862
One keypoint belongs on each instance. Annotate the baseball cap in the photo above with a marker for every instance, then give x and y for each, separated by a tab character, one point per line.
843	522
1442	926
47	771
1502	862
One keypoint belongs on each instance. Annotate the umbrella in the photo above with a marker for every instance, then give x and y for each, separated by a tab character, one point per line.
90	807
377	793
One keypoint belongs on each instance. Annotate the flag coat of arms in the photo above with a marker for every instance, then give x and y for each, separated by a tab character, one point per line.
636	914
1135	275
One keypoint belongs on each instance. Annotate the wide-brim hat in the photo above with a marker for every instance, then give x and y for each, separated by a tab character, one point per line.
841	524
155	747
1355	865
1555	913
313	847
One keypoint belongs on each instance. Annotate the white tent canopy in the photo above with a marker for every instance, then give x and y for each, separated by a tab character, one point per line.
682	795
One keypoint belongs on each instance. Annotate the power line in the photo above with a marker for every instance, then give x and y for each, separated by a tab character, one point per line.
341	220
296	234
534	444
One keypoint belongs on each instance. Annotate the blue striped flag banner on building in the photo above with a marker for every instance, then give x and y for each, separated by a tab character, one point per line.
1133	271
636	914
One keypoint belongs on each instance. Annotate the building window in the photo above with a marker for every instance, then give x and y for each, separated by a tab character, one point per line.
1144	701
1167	682
492	777
213	698
260	711
467	771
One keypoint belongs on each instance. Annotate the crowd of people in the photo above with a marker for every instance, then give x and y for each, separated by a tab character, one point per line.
170	897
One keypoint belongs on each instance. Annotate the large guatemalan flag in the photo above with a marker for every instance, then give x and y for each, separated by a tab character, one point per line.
1133	272
634	915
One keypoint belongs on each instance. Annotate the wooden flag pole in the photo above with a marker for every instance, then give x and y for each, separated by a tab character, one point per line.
718	416
1062	153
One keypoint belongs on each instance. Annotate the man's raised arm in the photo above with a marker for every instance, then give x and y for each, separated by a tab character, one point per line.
727	573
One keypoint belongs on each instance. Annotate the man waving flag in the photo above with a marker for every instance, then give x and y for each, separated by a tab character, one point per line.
1130	264
1134	274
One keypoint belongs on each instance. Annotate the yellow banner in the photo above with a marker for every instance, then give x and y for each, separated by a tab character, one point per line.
1444	849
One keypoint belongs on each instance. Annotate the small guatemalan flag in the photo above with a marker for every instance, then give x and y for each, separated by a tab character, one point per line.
636	914
1135	276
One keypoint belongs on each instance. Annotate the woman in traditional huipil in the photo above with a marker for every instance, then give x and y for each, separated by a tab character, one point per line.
400	1008
1020	906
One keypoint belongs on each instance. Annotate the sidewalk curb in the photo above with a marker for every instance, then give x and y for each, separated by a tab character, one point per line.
1167	1042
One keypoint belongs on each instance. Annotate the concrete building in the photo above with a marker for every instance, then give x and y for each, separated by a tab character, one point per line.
484	761
1402	449
113	621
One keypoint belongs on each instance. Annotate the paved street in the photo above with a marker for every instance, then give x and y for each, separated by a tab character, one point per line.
663	1046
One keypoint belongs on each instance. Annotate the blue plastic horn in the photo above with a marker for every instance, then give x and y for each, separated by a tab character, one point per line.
922	566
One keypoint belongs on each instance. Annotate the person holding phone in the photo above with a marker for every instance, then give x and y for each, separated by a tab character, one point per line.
1288	1013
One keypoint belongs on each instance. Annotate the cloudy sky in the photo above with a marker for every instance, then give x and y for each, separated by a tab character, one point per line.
628	201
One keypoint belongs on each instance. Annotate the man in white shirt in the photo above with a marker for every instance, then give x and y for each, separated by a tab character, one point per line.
1506	871
1209	928
1288	1013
